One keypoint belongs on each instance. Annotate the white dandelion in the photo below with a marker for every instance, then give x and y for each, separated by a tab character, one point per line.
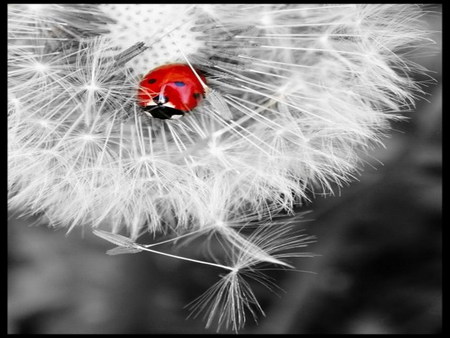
294	94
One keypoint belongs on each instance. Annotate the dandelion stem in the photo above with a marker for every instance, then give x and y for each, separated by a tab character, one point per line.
188	259
129	54
178	237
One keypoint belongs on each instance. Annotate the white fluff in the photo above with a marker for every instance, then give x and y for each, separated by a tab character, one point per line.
301	91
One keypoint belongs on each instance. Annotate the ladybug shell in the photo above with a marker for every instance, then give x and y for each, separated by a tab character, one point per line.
171	87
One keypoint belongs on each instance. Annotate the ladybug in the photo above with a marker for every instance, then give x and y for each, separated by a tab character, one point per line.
171	91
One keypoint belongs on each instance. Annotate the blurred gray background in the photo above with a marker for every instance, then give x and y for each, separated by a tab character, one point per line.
379	269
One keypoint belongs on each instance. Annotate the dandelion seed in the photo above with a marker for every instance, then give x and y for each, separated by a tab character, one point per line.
227	301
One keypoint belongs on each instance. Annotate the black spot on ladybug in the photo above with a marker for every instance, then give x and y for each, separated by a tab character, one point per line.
151	80
196	95
179	84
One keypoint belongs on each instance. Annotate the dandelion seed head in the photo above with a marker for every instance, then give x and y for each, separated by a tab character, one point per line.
293	98
161	27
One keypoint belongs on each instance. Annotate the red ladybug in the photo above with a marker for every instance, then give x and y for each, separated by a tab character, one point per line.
170	91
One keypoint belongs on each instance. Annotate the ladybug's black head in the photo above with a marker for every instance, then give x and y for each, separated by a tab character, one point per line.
163	112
